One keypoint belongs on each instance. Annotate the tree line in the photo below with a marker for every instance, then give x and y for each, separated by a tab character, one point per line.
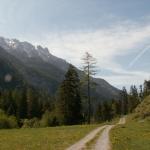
127	103
29	105
36	108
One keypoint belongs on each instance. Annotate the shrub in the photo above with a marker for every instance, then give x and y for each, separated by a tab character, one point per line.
7	122
31	123
49	119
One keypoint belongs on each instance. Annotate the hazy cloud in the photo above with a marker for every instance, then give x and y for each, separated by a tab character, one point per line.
104	45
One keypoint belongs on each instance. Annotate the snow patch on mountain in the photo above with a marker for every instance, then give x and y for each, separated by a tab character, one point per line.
29	49
26	50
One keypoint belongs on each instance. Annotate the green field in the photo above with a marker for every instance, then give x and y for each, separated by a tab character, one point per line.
54	138
134	135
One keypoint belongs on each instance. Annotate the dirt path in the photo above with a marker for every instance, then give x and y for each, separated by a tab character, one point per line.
103	143
122	120
81	144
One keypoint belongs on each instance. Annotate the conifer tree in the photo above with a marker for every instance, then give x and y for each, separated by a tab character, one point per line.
98	113
124	97
133	98
69	100
114	107
19	96
146	91
141	94
106	111
32	103
7	103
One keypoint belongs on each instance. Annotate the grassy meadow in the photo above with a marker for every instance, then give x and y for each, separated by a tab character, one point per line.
134	135
52	138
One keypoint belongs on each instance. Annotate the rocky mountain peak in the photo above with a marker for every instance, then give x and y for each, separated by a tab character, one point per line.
25	51
12	45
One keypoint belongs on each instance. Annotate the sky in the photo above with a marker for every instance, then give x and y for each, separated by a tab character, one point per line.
115	32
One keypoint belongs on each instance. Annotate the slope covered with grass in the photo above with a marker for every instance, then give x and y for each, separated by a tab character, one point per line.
135	134
143	109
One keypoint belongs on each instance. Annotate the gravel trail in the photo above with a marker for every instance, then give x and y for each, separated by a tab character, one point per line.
81	144
103	142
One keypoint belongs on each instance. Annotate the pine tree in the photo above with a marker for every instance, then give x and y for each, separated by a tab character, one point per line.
7	103
69	100
98	113
133	98
32	103
124	97
114	108
19	96
141	94
106	111
119	103
146	88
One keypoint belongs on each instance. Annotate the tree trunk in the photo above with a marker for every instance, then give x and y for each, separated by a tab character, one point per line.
89	98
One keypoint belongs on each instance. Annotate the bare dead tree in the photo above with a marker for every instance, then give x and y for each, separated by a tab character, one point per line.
89	68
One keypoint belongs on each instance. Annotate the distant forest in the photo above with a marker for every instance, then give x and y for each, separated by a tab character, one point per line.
27	107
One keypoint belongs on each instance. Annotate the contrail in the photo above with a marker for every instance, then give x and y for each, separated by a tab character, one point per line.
138	57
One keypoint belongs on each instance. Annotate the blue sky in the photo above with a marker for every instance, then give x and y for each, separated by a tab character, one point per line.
116	32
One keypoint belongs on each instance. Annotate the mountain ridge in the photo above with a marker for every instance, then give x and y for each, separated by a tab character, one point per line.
43	70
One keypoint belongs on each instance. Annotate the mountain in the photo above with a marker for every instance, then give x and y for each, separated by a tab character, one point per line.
9	75
42	70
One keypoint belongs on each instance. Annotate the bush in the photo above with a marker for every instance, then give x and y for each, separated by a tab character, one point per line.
49	119
31	123
7	122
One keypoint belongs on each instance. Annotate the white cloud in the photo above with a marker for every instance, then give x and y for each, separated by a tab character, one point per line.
127	78
103	44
